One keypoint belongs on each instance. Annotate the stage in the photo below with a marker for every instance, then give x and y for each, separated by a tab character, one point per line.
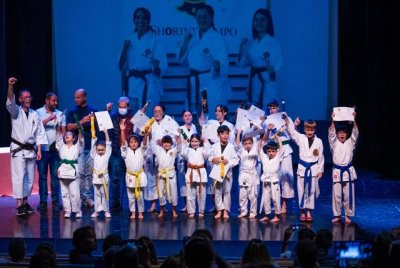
377	209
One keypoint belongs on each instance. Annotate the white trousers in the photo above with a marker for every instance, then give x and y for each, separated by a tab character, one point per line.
337	199
271	191
71	198
22	176
132	200
193	193
309	197
100	201
172	188
246	194
223	194
286	178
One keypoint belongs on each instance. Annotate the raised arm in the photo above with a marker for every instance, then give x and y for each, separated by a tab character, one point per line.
355	132
11	105
122	128
332	133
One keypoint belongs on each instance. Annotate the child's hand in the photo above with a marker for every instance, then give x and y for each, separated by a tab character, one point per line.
238	130
109	106
225	161
122	125
104	130
216	160
297	122
271	126
333	115
319	175
263	118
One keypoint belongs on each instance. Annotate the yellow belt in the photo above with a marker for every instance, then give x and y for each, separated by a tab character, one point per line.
100	174
164	171
137	186
222	174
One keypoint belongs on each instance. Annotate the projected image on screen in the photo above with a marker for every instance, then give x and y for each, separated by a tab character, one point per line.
170	52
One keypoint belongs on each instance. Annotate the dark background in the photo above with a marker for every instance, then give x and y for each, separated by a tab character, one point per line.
367	77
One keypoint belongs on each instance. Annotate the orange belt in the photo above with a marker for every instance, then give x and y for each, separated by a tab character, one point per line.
197	167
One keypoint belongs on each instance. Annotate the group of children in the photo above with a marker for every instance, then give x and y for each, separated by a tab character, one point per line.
248	150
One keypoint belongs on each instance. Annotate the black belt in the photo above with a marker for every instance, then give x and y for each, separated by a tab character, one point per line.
22	146
141	74
196	74
256	71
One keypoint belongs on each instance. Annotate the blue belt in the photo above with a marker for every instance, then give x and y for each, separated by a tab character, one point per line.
344	169
307	178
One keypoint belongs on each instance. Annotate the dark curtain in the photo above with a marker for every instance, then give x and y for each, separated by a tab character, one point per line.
26	53
368	79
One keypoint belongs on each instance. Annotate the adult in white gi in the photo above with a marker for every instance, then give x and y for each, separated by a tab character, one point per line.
196	174
248	175
101	153
263	54
343	173
186	131
68	172
223	157
26	136
311	165
143	59
221	114
134	155
159	129
271	158
51	117
205	53
286	173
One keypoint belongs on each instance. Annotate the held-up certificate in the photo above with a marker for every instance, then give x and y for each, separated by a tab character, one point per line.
343	114
103	120
276	120
170	126
254	115
216	172
242	121
139	120
209	132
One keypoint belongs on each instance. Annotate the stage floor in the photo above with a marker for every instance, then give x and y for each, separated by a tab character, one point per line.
377	209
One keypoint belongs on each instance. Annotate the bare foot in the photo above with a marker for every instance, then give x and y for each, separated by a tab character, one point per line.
152	208
347	220
336	220
242	215
201	215
218	215
283	209
264	219
161	214
309	217
174	214
252	216
226	214
140	215
302	217
133	215
275	219
191	216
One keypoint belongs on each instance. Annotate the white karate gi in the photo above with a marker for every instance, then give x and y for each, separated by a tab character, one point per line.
25	129
342	154
286	173
223	185
166	180
139	56
260	54
196	178
135	177
248	179
181	161
313	154
270	181
200	54
68	174
101	177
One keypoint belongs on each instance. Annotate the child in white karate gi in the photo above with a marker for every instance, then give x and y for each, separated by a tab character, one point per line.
68	172
223	158
166	181
311	165
343	173
101	152
271	158
248	175
196	174
134	155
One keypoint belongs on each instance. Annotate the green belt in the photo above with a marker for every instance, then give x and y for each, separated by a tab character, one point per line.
69	162
285	142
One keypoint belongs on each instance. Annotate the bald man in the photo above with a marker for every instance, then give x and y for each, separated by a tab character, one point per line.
79	117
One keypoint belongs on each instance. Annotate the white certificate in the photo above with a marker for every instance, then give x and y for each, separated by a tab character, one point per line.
209	132
276	120
343	114
139	120
170	126
254	115
103	120
242	122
